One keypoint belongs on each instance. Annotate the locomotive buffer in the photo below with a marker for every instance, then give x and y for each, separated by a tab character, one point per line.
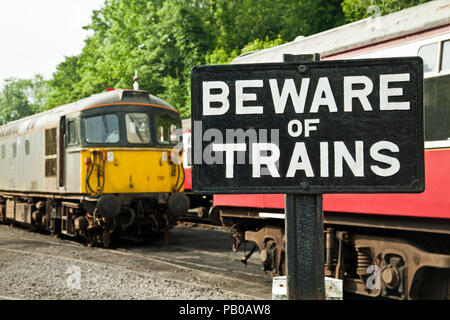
304	128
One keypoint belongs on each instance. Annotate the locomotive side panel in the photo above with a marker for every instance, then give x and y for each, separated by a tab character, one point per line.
72	172
20	167
28	156
32	169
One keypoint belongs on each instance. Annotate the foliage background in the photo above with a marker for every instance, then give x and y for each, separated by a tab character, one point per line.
163	39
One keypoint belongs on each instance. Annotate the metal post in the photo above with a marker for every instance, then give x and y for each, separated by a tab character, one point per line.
304	236
304	247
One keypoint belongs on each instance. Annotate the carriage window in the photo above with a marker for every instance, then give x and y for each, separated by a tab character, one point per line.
429	53
50	142
3	151
50	152
102	129
445	62
138	127
166	130
14	149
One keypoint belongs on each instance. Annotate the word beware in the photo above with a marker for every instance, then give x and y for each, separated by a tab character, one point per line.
323	95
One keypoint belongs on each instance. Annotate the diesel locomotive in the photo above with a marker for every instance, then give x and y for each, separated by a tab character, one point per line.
103	166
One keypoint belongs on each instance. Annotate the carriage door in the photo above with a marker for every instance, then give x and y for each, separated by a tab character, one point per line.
61	150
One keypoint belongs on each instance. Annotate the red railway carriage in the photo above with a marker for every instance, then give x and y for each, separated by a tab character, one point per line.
433	203
390	245
200	205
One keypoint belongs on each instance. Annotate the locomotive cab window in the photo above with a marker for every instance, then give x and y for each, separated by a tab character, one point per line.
429	55
445	60
138	127
72	133
166	130
102	129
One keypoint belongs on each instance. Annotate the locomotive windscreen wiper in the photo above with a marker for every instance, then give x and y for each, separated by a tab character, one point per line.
137	128
105	124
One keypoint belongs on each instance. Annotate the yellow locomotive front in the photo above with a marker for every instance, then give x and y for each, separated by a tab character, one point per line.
131	175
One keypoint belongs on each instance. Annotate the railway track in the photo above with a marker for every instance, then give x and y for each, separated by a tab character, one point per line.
182	270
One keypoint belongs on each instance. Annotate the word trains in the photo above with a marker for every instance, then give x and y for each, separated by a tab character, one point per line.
300	160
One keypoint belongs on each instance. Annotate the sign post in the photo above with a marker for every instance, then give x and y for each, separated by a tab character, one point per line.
305	128
305	276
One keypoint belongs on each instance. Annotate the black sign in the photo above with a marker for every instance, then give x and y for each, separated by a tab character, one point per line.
348	126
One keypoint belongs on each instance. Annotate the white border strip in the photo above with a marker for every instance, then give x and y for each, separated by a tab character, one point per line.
437	144
271	215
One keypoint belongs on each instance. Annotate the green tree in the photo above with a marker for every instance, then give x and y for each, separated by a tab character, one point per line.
22	97
37	91
220	56
243	21
359	9
164	39
262	44
161	39
64	86
309	17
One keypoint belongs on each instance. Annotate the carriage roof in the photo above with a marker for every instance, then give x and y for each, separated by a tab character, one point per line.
51	117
